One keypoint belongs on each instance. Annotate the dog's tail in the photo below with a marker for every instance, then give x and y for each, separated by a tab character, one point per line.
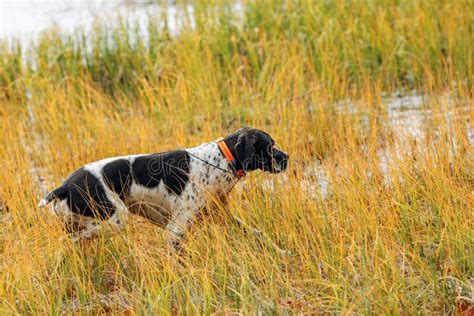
58	193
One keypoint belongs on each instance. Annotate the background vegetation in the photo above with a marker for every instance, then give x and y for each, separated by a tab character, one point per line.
378	220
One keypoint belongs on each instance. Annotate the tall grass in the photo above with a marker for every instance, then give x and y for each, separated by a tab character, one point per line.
386	237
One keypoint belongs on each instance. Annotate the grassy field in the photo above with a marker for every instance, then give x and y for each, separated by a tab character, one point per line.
379	221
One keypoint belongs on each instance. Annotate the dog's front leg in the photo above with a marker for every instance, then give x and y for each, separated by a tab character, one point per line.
179	225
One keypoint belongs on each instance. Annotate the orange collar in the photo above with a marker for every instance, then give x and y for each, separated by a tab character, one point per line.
228	156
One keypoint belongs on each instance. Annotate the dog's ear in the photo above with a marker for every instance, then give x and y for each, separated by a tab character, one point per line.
245	148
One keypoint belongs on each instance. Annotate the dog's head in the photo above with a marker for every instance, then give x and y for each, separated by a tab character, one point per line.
255	149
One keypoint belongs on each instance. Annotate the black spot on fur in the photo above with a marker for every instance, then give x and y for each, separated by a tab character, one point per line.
86	196
171	167
117	176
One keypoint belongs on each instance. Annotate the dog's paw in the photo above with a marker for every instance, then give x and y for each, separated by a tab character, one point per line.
175	245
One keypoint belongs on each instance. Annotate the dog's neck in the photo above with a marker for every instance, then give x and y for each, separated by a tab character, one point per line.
211	167
227	148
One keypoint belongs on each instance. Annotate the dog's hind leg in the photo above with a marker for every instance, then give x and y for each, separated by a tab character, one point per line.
120	218
91	230
116	222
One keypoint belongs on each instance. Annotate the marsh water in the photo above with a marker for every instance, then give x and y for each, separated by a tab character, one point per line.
26	19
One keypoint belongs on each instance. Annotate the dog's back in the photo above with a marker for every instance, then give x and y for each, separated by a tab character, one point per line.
93	189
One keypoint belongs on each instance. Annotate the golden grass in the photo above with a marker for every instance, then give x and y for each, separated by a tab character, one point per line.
391	239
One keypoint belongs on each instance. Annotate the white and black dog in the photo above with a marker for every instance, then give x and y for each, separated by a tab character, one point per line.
169	188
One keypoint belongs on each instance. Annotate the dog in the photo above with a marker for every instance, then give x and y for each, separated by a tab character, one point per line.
170	188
